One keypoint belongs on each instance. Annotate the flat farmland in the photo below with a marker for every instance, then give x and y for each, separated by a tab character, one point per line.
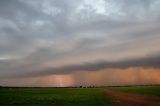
144	90
53	97
135	96
106	96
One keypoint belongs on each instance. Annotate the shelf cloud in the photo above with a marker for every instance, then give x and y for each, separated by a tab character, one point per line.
59	37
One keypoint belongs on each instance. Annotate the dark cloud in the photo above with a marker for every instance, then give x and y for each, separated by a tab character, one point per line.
151	62
36	35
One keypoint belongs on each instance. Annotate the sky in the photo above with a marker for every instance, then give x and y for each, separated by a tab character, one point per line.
79	42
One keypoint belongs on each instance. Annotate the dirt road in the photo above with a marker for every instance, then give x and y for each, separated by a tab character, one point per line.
131	99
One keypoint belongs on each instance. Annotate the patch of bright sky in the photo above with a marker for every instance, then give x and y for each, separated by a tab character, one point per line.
37	24
5	58
49	9
101	7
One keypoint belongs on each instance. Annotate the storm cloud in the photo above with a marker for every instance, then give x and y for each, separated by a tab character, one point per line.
151	62
45	37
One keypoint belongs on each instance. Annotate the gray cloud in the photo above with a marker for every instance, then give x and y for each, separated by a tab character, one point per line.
37	35
151	62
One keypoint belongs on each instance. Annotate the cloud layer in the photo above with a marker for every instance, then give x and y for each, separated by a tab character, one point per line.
104	77
44	37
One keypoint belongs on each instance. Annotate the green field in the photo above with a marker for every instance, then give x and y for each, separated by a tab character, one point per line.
145	90
67	96
52	97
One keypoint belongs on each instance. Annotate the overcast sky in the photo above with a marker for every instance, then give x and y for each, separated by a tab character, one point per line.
59	38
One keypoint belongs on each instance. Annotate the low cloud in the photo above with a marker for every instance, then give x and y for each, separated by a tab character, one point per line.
152	62
103	77
113	77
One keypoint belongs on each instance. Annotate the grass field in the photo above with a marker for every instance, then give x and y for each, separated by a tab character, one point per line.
68	96
52	97
145	90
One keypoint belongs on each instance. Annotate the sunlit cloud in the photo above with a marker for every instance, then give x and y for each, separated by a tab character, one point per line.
104	77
